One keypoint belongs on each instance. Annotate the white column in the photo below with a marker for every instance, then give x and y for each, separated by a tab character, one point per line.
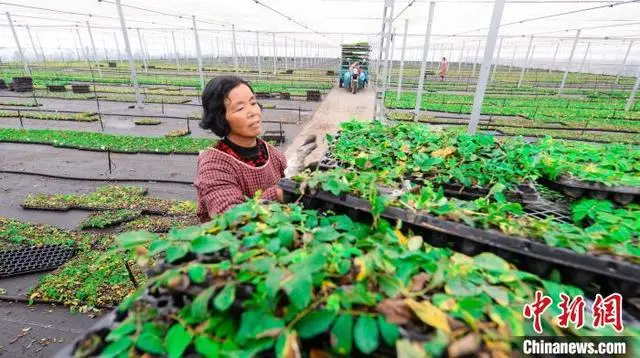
93	46
423	66
389	30
584	58
175	50
404	47
530	62
634	92
144	59
84	52
390	61
218	53
492	36
258	51
15	37
526	61
286	65
115	37
275	55
566	72
461	58
624	61
33	44
475	60
41	50
234	50
513	58
555	54
198	51
127	46
497	62
294	54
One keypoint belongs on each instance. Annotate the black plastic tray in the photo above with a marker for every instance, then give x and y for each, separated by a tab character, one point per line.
34	259
576	189
582	270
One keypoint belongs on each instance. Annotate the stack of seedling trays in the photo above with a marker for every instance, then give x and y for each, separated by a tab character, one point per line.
113	64
314	95
22	84
285	95
283	281
80	88
577	189
3	85
56	88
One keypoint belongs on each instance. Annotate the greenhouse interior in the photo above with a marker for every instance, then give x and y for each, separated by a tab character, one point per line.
320	178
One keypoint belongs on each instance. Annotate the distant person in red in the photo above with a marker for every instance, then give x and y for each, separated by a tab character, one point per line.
444	67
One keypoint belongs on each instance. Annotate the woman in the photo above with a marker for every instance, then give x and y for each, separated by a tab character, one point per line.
240	164
444	67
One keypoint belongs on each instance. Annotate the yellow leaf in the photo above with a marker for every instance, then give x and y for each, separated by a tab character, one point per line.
430	314
362	269
291	346
401	238
444	152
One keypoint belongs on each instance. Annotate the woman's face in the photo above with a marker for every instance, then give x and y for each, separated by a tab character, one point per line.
243	113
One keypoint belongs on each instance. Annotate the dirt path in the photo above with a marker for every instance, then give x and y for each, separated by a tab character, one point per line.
338	106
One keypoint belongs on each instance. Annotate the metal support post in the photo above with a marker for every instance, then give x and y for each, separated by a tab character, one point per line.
15	37
461	58
390	62
294	54
387	53
234	50
127	46
286	65
41	50
144	59
513	58
404	47
634	92
475	60
584	58
175	50
526	61
555	54
530	63
624	62
275	55
497	62
198	51
566	71
93	46
423	65
492	36
33	44
258	54
115	37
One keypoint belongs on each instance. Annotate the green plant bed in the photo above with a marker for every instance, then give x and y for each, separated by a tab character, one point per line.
19	104
281	280
178	133
160	224
15	234
147	122
101	220
104	142
64	95
147	99
579	135
50	116
126	199
609	231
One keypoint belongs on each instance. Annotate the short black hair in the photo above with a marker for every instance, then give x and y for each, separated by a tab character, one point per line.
213	107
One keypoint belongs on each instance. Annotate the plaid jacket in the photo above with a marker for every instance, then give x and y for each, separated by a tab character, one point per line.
223	181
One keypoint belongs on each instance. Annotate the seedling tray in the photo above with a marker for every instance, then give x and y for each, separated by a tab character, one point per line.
523	193
576	189
34	259
582	270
